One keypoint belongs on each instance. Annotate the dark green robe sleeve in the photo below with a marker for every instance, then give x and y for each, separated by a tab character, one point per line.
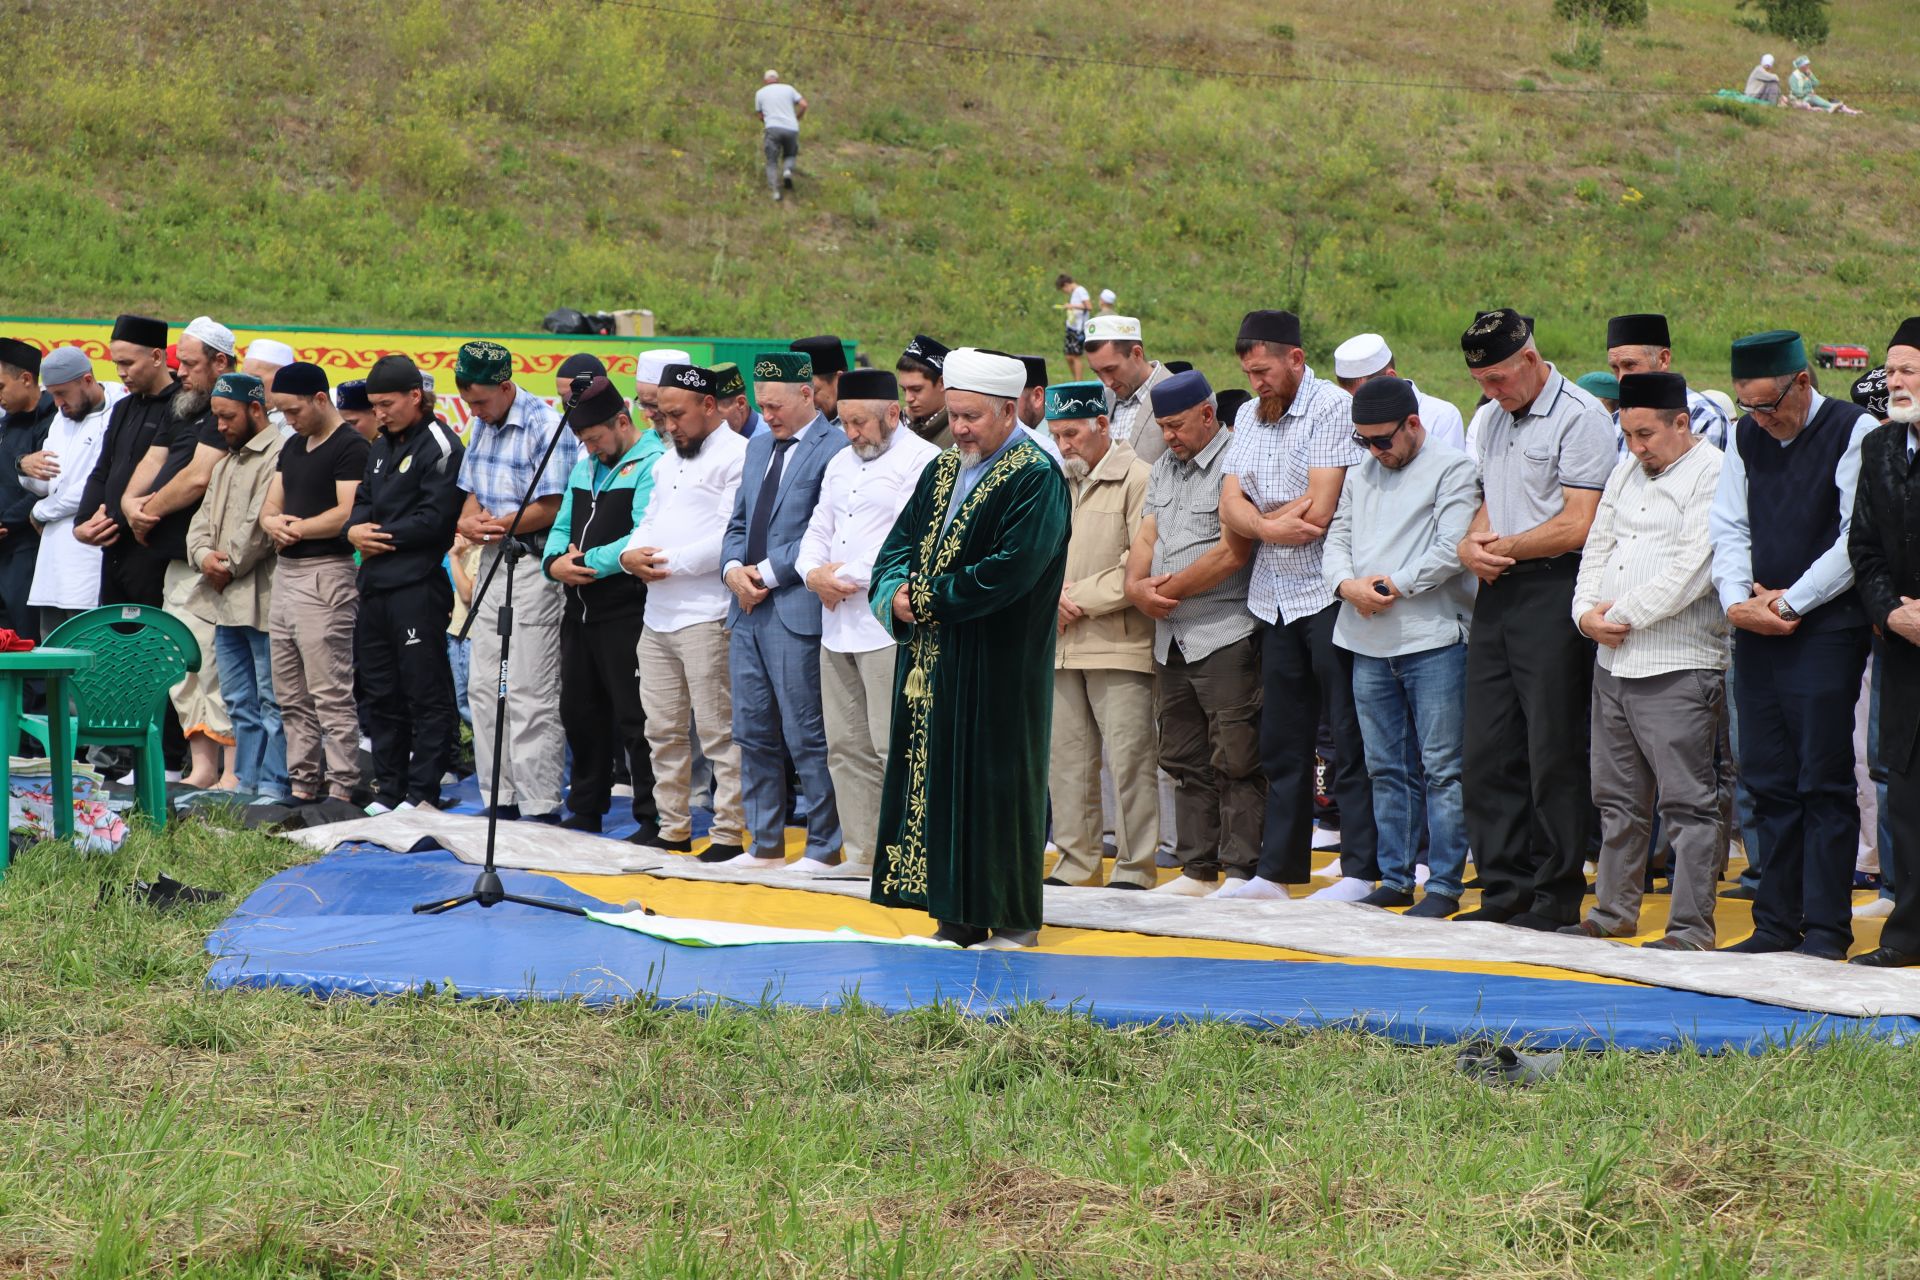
1033	528
894	564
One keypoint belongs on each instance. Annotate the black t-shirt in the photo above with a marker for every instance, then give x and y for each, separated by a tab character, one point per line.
308	473
180	437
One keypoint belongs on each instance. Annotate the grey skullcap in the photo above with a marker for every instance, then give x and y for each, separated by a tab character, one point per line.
64	364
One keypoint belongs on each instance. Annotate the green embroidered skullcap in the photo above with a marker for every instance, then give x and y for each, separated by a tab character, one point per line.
240	386
1076	400
1777	353
783	366
482	364
727	380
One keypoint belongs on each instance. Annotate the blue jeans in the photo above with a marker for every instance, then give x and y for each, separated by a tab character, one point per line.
458	654
246	682
1413	712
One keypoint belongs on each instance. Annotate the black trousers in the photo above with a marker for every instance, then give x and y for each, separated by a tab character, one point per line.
1529	795
1797	695
600	712
1304	677
1901	819
401	639
17	554
132	574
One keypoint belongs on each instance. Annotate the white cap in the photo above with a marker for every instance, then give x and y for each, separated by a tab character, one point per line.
1360	356
1766	59
970	369
770	75
213	335
1725	403
271	350
1107	296
651	363
1113	329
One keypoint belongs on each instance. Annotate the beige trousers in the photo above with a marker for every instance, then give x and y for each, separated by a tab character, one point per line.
856	701
196	700
310	635
1111	710
683	674
533	775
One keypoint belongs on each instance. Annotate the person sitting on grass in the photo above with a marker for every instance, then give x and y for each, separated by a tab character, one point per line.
1803	90
1763	83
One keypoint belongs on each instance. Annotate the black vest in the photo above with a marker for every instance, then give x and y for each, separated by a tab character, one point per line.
1793	504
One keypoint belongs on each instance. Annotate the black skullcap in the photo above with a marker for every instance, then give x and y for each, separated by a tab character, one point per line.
869	384
141	331
300	379
1177	366
1647	329
1227	403
394	373
1493	336
1667	391
581	362
926	352
1281	328
599	402
1036	370
1381	400
690	377
1870	392
352	394
1908	334
21	355
828	352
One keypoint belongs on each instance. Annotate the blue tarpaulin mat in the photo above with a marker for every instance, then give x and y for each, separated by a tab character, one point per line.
344	926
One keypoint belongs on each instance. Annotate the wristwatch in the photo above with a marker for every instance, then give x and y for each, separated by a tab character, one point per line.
1786	611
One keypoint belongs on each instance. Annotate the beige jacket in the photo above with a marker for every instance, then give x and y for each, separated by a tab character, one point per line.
228	521
1107	508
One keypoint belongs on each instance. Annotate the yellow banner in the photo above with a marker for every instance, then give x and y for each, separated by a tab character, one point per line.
346	354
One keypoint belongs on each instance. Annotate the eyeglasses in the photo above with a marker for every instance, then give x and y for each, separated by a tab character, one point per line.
1778	400
1379	442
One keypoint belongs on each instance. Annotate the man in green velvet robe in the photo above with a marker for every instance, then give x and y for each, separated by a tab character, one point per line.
969	583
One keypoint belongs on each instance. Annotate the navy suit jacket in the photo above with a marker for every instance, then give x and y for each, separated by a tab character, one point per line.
793	507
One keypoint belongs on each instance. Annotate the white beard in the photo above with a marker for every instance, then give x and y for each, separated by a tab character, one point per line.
970	457
1904	411
1076	469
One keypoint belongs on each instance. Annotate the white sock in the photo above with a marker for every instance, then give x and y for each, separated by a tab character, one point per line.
1345	889
1878	909
814	867
1257	888
1185	886
753	861
1420	874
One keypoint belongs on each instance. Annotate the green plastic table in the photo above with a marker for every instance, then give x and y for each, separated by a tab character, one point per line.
52	666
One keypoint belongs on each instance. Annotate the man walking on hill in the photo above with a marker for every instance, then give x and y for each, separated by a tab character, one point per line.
780	107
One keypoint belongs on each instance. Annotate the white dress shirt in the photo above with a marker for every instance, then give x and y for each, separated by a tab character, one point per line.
686	518
66	571
1441	420
859	503
1648	552
1044	438
1829	575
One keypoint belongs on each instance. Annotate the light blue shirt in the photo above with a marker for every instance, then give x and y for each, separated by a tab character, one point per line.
970	477
1732	531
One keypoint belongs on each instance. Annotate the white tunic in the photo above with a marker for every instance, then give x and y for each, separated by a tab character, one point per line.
66	571
859	503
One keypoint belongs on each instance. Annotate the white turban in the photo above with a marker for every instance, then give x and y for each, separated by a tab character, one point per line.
1361	356
970	369
213	335
1766	59
272	350
652	363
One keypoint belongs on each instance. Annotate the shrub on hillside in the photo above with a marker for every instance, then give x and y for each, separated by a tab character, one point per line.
1611	13
1801	21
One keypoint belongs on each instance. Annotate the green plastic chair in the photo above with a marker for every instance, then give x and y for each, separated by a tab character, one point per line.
140	652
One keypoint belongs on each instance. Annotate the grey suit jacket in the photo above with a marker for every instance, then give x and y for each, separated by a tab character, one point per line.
793	505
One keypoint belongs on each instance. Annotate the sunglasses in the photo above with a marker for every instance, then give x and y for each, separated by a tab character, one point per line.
1379	442
1774	407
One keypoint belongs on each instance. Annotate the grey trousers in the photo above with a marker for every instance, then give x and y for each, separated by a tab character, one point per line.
856	700
533	773
1111	710
1209	720
783	148
1656	735
310	634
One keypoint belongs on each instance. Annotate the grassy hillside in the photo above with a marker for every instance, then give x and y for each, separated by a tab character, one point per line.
472	163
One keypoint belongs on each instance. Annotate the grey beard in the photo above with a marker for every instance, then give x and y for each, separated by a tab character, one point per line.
188	403
868	452
970	457
1076	469
1907	413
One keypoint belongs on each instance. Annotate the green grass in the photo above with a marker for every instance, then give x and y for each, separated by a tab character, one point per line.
148	1127
468	164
